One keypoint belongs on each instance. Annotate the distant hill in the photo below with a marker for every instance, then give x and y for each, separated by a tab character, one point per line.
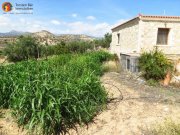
45	33
44	37
77	37
13	33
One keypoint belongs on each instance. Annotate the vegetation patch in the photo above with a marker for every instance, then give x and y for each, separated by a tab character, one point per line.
152	82
154	65
51	96
27	47
168	127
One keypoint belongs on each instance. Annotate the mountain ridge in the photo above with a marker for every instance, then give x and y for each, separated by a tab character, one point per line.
44	37
42	33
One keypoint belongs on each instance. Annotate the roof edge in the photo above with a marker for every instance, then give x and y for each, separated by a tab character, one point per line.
150	17
125	22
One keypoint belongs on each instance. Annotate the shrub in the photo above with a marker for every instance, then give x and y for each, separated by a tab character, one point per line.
154	65
51	96
103	42
25	48
78	46
152	82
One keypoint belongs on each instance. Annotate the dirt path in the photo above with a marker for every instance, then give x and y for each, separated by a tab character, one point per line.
141	107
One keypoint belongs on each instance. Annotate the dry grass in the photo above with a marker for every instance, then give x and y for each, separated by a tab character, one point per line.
168	127
111	66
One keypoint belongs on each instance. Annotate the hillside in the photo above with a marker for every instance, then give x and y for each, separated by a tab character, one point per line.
43	37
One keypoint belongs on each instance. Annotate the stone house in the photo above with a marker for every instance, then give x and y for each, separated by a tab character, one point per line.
144	33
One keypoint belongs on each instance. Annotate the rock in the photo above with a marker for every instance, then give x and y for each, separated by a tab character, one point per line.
175	79
141	81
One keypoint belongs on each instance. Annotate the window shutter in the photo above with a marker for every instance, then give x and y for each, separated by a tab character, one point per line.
162	37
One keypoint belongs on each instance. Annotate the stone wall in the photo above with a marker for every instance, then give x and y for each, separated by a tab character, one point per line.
128	38
137	36
149	31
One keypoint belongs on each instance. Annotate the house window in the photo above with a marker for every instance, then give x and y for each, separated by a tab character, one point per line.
162	37
118	35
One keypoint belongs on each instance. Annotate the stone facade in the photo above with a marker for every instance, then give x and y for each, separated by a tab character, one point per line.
140	34
128	41
148	37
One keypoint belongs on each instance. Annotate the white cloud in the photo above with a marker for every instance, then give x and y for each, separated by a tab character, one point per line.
22	20
4	21
74	15
7	24
90	17
55	22
63	27
86	28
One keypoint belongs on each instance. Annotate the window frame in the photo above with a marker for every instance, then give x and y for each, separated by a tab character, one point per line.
158	36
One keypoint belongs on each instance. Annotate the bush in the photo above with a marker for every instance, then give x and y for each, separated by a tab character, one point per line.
79	46
52	96
152	82
25	48
103	42
154	65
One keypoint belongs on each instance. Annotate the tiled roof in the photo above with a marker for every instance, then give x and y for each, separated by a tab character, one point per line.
155	16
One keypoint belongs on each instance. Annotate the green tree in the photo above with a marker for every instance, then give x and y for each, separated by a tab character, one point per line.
107	40
103	42
25	48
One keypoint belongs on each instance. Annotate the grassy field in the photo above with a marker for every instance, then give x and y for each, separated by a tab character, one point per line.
51	96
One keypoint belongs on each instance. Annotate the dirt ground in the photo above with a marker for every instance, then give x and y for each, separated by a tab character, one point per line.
135	110
1	60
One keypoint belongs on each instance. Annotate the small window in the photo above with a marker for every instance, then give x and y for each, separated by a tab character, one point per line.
128	64
118	35
162	37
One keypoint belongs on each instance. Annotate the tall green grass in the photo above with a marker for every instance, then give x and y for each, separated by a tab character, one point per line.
49	97
18	75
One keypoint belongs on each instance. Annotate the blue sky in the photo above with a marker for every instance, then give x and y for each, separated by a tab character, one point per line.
91	17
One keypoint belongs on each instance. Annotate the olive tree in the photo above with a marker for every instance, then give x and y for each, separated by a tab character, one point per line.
24	48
